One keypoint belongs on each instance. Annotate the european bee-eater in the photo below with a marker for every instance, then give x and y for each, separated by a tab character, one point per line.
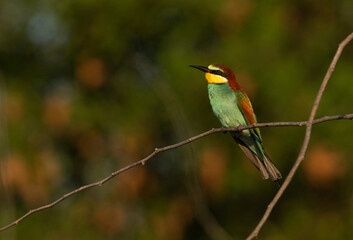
233	108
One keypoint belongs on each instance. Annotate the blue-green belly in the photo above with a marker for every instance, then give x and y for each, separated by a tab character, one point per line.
224	105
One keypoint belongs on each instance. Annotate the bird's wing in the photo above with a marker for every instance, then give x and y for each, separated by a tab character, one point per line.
246	108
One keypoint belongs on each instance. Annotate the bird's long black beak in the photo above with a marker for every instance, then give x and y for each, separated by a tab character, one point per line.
204	69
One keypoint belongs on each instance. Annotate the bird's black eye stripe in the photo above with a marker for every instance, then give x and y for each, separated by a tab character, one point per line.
220	73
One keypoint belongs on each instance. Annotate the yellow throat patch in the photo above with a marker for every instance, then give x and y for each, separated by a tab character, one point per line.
212	78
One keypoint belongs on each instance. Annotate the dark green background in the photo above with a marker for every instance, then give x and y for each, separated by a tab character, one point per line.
90	86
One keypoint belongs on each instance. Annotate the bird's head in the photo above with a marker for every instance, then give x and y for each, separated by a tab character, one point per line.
218	74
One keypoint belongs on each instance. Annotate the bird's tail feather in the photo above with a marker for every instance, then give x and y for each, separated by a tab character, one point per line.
271	169
255	160
267	168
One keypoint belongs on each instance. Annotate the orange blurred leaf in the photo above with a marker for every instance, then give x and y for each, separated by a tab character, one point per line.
323	166
234	13
57	112
91	72
172	225
110	218
213	169
90	145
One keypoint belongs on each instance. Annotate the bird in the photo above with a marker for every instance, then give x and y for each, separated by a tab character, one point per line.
233	108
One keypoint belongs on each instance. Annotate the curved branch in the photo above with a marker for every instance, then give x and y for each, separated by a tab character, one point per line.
304	147
166	148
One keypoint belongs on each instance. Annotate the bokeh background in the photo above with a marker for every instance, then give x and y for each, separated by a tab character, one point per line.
87	87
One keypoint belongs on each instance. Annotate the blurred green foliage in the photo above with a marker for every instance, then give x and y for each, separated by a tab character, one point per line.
90	86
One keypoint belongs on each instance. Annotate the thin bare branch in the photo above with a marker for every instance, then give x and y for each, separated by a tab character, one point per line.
304	147
166	148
